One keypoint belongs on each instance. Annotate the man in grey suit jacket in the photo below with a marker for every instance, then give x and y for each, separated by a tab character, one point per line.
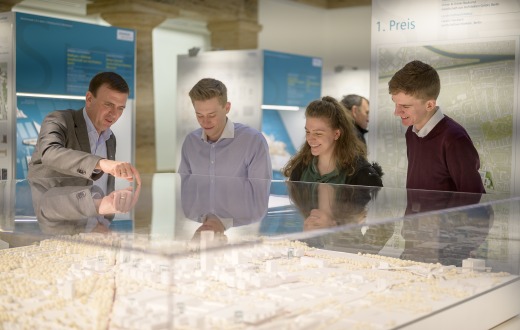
79	143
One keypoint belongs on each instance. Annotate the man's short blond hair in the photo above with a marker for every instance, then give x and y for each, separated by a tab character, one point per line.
207	89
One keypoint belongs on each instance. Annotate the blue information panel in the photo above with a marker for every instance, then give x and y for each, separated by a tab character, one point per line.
55	56
31	112
55	61
289	80
292	80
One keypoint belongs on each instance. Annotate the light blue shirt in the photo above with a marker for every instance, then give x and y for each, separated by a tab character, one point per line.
434	120
241	151
98	147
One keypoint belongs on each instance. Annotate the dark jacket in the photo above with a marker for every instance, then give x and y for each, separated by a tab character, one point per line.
360	132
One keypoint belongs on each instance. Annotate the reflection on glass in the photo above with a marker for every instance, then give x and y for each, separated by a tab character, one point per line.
445	237
327	205
68	206
437	227
220	203
447	258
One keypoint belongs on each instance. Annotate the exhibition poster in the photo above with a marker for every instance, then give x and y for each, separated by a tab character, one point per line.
55	60
473	45
290	83
6	97
7	120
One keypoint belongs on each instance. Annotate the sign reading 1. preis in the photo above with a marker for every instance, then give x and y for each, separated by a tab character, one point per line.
395	25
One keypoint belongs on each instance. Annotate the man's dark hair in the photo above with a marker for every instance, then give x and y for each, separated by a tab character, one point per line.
417	79
112	79
352	100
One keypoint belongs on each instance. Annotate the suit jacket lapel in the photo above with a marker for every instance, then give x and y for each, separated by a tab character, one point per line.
111	147
111	154
81	131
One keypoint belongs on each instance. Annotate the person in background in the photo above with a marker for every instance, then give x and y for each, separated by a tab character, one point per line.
332	153
359	109
80	143
220	147
441	155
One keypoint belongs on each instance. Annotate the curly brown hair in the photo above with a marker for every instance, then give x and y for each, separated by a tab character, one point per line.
348	147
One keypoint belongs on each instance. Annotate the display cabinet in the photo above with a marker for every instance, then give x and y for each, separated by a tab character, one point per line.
202	252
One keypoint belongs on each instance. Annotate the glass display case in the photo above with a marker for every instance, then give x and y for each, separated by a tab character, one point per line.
201	252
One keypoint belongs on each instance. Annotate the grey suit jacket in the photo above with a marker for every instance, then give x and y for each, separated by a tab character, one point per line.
63	210
63	149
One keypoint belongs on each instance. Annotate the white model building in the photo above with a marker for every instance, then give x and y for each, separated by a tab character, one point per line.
89	282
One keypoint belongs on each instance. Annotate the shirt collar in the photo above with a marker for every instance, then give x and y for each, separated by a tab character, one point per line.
227	133
434	120
91	128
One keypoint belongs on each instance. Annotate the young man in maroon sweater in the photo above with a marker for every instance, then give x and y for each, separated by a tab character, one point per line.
441	155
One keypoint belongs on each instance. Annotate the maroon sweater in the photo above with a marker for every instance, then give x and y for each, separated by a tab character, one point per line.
445	159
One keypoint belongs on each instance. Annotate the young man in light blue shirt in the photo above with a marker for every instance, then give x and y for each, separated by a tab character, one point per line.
220	147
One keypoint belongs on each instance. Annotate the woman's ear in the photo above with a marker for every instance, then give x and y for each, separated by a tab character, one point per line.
337	134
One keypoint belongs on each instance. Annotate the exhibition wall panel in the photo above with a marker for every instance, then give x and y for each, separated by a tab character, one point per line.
55	60
474	47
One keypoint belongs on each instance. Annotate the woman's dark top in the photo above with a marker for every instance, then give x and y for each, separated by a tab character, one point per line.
365	174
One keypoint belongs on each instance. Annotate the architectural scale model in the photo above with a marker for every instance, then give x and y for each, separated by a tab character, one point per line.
95	281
